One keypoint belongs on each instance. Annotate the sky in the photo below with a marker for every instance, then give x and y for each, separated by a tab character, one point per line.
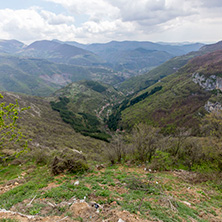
91	21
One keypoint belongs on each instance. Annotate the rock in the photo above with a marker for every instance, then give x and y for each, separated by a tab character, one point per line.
120	220
76	183
99	167
79	209
187	203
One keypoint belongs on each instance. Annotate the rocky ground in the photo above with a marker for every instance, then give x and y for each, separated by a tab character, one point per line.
107	194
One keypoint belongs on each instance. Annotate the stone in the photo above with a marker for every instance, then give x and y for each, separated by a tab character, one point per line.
187	203
99	167
79	209
76	183
120	220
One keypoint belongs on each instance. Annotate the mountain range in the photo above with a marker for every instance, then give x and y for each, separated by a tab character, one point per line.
108	139
192	86
45	66
166	96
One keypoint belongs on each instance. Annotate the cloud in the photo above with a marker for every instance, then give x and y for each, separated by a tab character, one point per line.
33	23
95	9
105	20
53	19
211	3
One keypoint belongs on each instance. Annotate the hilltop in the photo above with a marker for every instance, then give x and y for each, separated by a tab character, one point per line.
60	53
85	104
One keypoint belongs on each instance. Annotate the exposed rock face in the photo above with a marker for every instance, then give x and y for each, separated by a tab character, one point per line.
219	83
60	79
209	83
206	83
209	106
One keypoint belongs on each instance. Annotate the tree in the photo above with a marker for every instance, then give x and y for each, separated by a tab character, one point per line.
145	140
180	135
212	129
212	124
116	149
9	131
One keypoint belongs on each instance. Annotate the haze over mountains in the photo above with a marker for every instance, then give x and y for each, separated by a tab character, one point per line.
45	66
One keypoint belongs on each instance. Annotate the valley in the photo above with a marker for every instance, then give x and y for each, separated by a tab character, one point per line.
118	131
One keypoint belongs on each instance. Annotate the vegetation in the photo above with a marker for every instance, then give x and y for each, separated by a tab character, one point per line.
115	117
162	163
41	78
143	195
84	123
9	132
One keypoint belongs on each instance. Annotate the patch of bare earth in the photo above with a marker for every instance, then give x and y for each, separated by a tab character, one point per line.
10	185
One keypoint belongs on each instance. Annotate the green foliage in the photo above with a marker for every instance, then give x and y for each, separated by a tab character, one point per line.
8	220
115	117
84	123
144	95
144	139
9	132
116	150
212	124
96	86
161	161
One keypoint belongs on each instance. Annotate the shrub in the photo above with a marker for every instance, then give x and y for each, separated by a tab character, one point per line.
116	150
161	161
145	140
71	162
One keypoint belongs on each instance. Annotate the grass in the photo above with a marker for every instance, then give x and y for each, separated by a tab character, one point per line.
8	220
179	100
9	173
151	196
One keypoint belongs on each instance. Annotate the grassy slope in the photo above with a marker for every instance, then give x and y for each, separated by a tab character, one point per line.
125	192
89	96
174	104
143	81
180	101
46	128
85	105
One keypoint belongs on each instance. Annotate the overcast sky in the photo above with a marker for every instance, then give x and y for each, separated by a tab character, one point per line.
89	21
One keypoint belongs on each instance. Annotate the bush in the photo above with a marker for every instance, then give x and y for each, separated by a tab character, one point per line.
116	150
161	161
70	162
145	140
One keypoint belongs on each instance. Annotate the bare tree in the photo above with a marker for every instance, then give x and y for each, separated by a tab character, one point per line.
145	140
181	135
116	149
